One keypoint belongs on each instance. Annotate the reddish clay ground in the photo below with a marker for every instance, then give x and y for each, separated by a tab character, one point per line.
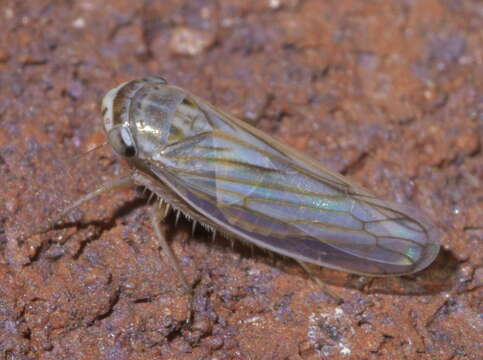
388	92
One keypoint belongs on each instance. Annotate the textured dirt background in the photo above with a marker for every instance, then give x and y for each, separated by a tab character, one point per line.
388	92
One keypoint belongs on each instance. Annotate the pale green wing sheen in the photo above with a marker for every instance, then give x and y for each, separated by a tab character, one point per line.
262	192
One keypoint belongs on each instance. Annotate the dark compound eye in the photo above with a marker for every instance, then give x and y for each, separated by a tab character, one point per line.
122	141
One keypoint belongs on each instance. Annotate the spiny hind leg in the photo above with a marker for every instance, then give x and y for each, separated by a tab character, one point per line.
319	282
114	184
158	214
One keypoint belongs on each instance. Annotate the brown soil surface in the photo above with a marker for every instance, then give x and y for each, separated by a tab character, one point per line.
388	92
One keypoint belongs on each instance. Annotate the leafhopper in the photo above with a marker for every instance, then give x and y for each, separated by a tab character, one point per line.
231	177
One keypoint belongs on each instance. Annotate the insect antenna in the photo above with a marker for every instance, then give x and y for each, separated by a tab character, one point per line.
97	147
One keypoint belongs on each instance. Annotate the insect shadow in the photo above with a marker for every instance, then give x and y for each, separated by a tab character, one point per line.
98	226
438	277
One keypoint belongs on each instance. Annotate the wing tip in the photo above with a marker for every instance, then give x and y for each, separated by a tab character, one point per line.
432	244
431	248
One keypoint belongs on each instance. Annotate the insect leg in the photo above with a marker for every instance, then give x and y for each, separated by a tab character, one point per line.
156	217
120	183
319	282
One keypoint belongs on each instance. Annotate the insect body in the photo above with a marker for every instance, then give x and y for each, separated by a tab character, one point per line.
236	179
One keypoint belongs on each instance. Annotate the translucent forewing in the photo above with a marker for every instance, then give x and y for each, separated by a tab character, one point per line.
251	187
